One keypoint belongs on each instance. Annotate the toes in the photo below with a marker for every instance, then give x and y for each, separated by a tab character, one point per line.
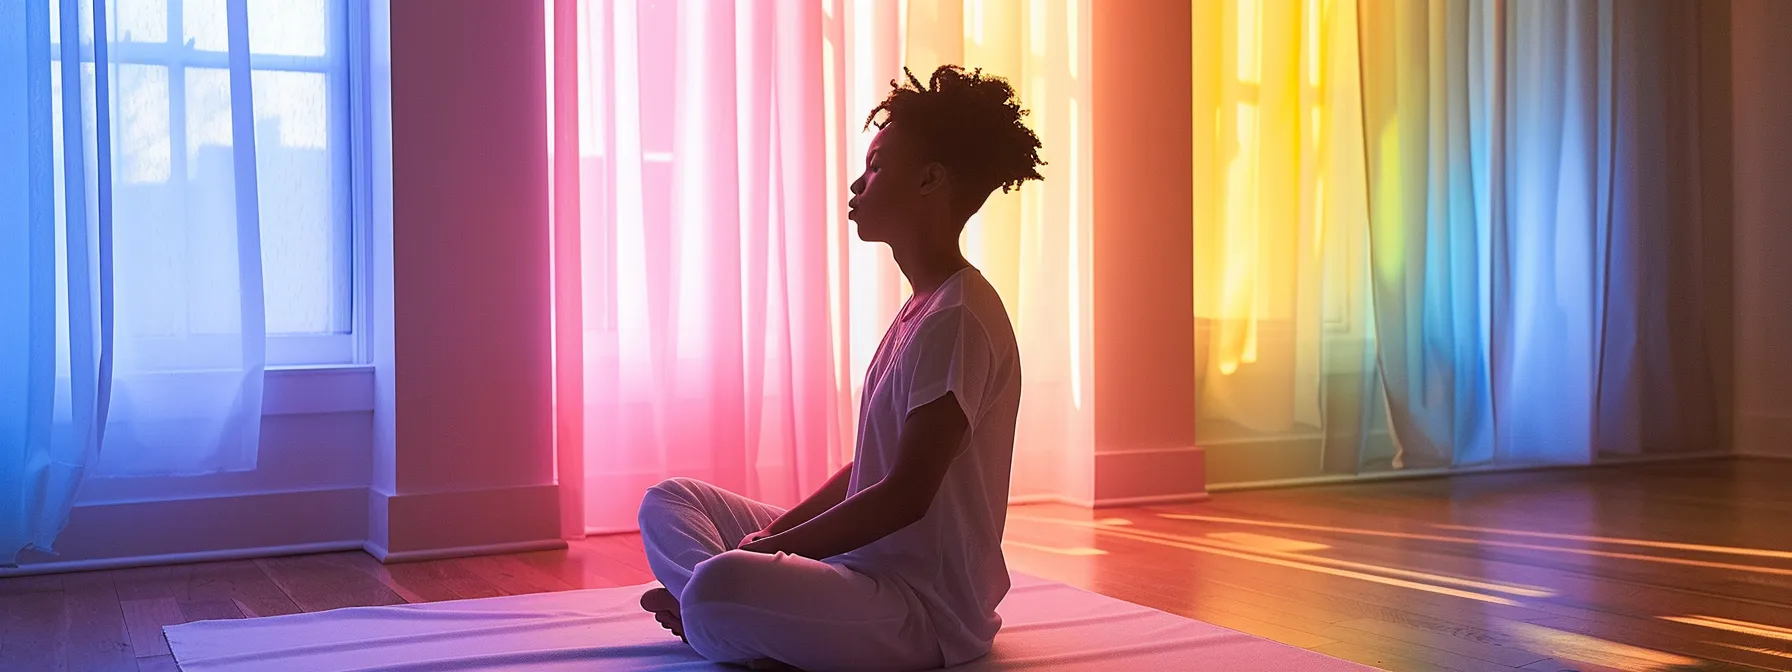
671	622
659	599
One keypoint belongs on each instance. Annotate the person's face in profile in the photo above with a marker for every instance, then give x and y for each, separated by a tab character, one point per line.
888	197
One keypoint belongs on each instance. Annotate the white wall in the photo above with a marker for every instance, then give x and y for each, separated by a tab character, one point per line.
307	491
465	454
1762	108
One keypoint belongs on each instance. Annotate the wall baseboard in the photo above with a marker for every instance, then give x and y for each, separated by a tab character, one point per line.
1150	476
1182	498
387	557
232	527
1763	435
444	524
58	567
1410	474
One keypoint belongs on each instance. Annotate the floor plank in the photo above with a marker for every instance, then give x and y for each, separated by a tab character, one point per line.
434	580
20	585
1386	660
97	639
208	610
515	577
145	618
242	582
321	582
33	631
1332	584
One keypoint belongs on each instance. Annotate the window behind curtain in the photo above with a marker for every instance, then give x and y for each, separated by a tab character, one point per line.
172	135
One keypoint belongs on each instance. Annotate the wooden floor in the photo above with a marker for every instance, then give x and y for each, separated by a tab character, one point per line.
1675	566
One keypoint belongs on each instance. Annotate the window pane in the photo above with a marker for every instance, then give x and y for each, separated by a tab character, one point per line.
208	122
283	27
304	245
289	27
86	12
142	20
209	206
143	148
203	24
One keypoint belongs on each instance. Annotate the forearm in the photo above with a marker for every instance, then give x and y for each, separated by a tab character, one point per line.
831	494
868	516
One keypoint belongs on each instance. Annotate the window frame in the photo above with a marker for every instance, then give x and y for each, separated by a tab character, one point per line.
347	74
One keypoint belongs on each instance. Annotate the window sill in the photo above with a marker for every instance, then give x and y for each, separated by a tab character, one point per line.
301	390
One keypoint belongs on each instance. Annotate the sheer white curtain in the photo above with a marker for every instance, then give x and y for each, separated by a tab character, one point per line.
191	333
132	288
715	312
55	268
705	332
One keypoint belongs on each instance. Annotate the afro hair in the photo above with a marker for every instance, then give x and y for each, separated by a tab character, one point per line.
970	123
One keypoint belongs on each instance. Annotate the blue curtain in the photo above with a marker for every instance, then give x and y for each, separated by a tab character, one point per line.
170	383
55	265
1540	266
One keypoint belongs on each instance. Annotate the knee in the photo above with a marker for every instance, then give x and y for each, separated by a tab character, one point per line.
730	578
672	491
678	486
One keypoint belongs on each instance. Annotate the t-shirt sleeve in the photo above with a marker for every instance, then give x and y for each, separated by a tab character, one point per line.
950	352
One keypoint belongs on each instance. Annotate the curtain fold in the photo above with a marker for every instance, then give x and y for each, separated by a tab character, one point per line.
1451	234
704	299
726	310
191	328
129	169
55	265
1655	378
1534	195
1427	87
1278	202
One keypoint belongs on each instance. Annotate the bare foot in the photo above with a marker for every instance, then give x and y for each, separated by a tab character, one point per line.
664	608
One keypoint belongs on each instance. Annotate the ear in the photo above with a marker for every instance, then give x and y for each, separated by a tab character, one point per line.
933	177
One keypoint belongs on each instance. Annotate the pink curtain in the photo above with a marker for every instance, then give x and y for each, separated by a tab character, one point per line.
714	311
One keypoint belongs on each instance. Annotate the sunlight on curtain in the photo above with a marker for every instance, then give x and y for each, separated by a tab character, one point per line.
1533	186
1278	199
727	310
1032	244
705	305
1428	97
1452	249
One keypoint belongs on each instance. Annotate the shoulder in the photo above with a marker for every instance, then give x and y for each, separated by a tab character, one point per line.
971	298
970	313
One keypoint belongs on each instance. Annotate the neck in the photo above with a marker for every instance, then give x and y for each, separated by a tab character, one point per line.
928	267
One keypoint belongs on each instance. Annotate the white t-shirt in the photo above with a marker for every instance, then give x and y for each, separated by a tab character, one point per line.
957	340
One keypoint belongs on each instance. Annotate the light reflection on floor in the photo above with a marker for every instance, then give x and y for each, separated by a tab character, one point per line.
1382	575
1486	542
1733	625
1622	541
1563	645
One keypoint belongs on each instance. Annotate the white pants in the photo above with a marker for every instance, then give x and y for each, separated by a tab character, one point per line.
740	606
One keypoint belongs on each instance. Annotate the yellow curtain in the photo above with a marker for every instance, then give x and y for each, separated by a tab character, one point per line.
1278	202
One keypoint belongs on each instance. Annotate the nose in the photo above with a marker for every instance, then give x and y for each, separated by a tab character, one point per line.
858	186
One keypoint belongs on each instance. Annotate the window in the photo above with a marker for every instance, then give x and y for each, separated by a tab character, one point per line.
171	129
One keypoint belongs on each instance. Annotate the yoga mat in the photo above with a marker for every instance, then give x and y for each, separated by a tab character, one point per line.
1046	626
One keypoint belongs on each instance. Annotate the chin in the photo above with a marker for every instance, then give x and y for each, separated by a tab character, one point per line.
867	234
